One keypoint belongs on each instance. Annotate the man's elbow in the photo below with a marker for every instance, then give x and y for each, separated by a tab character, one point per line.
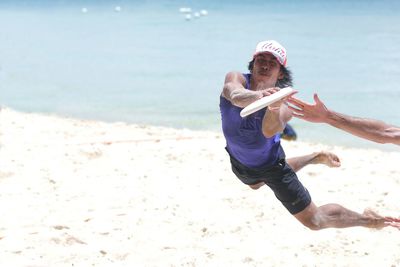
237	100
268	133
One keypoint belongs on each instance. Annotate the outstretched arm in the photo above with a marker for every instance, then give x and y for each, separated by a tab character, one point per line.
275	119
234	90
370	129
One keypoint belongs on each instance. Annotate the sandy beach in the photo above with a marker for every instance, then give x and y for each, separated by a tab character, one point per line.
89	193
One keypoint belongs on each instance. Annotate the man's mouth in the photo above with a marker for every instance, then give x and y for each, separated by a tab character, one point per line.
263	72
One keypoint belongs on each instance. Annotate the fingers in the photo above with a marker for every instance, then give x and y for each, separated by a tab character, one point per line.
393	224
286	98
270	91
291	94
296	101
336	162
300	103
295	109
276	105
316	98
392	219
273	109
296	115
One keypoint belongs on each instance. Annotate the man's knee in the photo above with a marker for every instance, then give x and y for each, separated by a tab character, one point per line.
310	218
312	224
256	186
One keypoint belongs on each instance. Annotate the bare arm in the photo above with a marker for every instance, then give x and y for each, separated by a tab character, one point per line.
373	130
275	118
234	90
370	129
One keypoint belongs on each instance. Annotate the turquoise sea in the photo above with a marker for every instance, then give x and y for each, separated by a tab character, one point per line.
144	62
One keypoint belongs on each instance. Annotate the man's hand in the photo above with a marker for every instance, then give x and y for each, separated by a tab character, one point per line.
269	91
310	112
275	107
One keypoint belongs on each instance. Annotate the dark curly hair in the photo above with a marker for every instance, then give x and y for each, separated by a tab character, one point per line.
287	79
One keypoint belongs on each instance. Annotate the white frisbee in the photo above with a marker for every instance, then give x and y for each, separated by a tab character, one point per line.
266	101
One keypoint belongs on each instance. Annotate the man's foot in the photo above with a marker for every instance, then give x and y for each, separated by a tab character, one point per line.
256	186
378	222
327	158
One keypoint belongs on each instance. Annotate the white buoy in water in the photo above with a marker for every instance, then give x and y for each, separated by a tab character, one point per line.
204	12
185	10
117	9
188	17
84	10
196	15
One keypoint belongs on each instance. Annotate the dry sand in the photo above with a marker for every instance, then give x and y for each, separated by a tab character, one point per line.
88	193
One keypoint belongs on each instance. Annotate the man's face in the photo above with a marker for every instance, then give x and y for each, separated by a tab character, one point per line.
267	67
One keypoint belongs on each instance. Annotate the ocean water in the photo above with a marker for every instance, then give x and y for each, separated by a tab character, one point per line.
147	64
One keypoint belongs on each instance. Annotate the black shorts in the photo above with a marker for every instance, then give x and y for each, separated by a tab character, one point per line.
280	178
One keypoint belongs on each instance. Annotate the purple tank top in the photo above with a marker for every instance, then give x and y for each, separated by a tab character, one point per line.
244	138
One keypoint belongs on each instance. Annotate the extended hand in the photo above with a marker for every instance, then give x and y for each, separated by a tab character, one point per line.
269	91
276	106
310	112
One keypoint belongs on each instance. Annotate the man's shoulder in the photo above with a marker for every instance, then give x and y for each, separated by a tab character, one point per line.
236	74
237	77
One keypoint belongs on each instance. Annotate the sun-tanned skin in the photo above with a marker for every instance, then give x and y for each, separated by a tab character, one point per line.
370	129
265	74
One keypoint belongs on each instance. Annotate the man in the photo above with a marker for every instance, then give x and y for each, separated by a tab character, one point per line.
370	129
256	155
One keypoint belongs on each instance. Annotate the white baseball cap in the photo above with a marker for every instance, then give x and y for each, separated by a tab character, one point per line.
273	47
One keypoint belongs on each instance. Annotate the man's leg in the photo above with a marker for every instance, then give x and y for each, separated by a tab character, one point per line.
336	216
322	157
296	163
256	186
